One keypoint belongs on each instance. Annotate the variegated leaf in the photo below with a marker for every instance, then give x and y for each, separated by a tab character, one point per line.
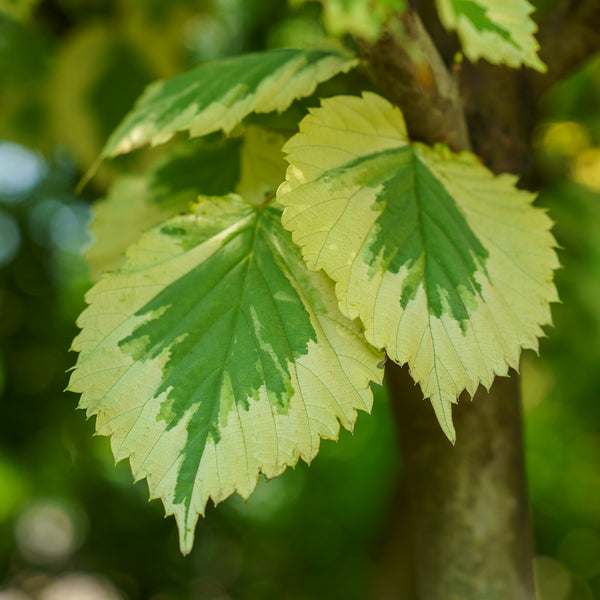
449	267
219	94
213	355
501	32
252	165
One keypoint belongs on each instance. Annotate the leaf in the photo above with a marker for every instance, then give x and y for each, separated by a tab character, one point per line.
213	355
363	18
252	166
219	94
499	32
449	267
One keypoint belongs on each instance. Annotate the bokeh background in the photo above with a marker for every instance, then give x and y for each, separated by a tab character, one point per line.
72	525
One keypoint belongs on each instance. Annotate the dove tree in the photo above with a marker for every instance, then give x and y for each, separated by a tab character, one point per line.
264	279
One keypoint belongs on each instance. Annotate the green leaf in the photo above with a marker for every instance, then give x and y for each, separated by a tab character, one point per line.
219	94
449	267
363	18
213	355
252	165
499	32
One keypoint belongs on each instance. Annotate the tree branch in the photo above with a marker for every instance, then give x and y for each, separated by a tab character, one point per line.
412	74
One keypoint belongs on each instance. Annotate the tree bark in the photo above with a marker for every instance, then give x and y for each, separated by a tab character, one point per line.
471	530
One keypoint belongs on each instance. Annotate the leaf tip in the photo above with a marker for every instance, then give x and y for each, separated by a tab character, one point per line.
187	530
443	412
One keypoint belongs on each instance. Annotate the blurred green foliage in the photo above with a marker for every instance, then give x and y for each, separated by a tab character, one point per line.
562	389
69	70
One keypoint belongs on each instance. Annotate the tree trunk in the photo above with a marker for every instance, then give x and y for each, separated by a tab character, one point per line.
471	530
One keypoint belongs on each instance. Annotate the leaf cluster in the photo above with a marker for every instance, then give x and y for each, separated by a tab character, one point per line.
256	301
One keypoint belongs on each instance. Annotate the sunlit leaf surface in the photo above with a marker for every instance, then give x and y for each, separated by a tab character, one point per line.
219	94
213	355
500	32
449	267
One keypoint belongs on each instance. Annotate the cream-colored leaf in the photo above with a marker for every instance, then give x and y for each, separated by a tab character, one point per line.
218	95
449	267
501	32
213	356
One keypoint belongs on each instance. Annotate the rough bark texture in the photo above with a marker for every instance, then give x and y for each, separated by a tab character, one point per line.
469	528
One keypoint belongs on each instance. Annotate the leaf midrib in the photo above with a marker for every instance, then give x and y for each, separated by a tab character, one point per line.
214	415
425	284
